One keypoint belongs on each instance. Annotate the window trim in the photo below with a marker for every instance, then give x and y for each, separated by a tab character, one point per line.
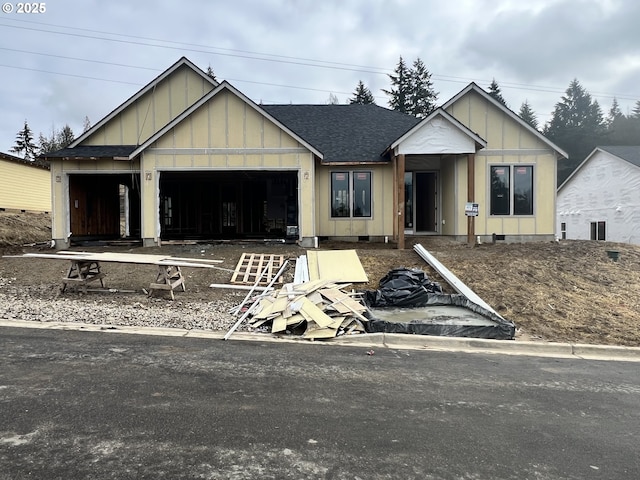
350	195
511	199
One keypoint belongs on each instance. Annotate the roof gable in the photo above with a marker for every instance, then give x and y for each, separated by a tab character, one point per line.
150	88
439	133
630	154
222	87
472	87
351	133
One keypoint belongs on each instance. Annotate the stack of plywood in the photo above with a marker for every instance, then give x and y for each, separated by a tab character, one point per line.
324	307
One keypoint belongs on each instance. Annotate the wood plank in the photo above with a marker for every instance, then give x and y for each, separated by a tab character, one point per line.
310	311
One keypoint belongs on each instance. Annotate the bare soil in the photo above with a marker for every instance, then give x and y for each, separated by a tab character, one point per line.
568	291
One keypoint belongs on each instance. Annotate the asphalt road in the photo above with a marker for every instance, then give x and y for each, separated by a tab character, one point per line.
113	406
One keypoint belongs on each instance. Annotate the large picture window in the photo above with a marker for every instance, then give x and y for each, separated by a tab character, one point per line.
350	194
511	190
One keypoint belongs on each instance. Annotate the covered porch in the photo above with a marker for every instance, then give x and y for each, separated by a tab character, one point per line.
434	172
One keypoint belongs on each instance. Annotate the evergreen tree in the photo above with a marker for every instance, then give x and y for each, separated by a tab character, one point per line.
635	113
86	124
400	91
528	115
211	74
362	95
423	97
495	92
576	125
24	143
58	140
614	113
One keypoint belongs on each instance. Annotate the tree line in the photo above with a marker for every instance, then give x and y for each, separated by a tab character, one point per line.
26	147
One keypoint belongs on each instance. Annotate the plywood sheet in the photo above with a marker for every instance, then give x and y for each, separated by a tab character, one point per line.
336	265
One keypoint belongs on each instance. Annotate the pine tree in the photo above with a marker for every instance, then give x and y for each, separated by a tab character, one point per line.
423	97
576	125
400	91
528	115
24	143
86	124
362	95
495	92
635	113
58	140
211	74
615	114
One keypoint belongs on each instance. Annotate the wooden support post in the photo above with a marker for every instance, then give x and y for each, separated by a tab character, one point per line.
471	193
401	211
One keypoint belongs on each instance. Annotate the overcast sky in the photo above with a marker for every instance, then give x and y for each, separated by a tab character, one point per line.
85	57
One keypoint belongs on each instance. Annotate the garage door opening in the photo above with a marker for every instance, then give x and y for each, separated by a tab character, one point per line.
104	207
228	205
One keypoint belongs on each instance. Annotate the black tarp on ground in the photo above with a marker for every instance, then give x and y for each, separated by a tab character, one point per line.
412	290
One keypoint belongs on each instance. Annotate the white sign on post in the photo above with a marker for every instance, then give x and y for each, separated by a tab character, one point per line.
471	209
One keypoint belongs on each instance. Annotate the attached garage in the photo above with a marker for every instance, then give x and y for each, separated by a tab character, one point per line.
230	204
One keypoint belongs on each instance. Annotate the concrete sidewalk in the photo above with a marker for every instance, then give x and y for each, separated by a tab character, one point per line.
374	340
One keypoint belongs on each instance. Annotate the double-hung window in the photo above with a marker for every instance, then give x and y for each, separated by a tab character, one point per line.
511	190
350	194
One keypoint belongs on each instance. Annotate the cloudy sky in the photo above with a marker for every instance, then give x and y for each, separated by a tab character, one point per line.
85	57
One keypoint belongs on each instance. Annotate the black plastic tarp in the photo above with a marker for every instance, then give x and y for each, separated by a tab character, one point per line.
412	289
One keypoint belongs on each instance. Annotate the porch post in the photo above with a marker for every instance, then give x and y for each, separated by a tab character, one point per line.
400	196
471	193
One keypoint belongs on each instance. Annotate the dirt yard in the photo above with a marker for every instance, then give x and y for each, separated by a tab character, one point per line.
568	291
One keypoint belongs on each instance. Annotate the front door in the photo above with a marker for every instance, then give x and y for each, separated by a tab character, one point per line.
421	202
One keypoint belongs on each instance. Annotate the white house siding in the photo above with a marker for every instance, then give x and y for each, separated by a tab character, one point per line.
604	189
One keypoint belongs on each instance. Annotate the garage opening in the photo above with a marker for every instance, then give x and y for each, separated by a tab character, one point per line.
104	207
228	205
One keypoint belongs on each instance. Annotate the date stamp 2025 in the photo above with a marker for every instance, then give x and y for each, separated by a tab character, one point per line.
24	7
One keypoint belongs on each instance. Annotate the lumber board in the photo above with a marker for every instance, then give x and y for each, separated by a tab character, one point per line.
337	265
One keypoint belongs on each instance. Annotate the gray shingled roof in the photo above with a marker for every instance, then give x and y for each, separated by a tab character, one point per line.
93	151
345	133
629	153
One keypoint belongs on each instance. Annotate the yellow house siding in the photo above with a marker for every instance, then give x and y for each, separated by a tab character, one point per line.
449	190
226	134
381	221
153	110
23	187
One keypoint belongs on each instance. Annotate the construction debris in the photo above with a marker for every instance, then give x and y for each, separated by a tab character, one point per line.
339	265
252	266
315	309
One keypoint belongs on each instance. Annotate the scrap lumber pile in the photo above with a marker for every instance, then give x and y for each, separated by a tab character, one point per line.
317	309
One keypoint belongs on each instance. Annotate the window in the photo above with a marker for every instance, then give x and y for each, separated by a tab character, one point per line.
563	231
597	230
350	194
507	201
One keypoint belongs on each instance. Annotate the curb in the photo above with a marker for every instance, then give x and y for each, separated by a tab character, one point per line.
380	340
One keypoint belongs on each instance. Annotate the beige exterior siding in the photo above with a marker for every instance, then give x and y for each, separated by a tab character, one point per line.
225	134
153	110
24	187
508	143
381	222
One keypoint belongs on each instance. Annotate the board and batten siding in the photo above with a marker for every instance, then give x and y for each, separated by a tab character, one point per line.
153	110
508	143
226	134
382	216
24	187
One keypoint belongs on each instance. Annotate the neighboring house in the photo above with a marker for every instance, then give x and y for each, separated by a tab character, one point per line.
24	185
188	158
600	200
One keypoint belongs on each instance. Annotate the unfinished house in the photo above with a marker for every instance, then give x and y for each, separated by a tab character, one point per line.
189	158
